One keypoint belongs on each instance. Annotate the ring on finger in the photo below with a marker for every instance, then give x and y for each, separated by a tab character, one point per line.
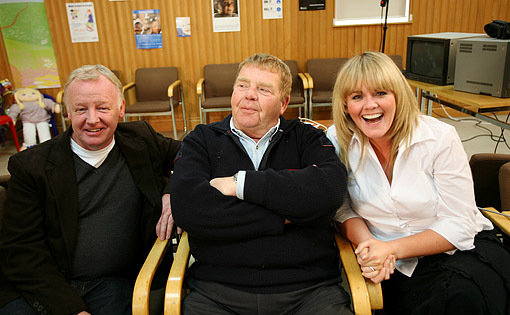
371	268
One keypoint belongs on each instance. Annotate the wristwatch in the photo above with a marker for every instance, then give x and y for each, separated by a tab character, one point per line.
235	177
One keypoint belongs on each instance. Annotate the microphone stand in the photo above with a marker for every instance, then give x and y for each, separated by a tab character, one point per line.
385	27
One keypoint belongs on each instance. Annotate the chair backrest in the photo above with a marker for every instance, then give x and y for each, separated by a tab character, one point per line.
219	79
152	83
485	168
296	82
324	71
116	72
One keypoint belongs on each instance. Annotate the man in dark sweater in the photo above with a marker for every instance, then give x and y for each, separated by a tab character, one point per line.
81	209
256	194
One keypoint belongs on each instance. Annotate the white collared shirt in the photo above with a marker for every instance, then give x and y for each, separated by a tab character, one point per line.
432	188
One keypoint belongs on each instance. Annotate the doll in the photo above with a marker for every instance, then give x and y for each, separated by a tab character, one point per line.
34	112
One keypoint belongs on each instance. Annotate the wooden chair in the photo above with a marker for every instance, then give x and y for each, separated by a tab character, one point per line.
215	88
299	91
366	296
158	91
321	74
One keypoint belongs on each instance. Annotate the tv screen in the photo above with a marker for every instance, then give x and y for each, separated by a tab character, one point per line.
428	58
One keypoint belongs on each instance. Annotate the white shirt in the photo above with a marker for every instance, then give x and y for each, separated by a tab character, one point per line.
93	158
432	188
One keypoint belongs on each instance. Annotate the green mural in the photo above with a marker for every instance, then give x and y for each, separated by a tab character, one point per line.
28	43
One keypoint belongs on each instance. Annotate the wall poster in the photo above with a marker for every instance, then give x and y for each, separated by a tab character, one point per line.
147	26
28	43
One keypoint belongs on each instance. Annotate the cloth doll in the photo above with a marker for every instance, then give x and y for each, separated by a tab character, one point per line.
34	112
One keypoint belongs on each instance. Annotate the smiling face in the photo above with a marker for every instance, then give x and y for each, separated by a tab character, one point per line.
373	112
94	111
256	101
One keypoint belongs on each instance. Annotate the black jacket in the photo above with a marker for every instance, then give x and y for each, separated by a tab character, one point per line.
39	229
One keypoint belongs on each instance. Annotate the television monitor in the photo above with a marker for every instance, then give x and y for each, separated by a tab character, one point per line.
431	57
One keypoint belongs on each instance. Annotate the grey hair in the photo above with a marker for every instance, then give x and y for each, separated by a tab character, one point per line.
93	72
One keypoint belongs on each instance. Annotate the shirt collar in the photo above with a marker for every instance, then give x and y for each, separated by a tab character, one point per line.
269	134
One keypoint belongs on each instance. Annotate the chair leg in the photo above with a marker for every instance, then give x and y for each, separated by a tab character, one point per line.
173	118
14	135
183	112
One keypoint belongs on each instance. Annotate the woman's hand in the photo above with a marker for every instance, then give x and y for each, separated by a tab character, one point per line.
374	253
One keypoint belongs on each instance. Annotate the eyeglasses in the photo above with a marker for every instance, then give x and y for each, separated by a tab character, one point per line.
228	4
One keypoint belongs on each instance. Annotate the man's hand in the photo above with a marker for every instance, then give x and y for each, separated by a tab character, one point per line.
226	185
377	276
166	221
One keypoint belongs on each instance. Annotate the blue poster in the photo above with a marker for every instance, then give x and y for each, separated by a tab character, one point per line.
147	28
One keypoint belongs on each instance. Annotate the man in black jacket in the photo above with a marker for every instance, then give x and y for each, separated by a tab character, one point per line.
82	208
257	193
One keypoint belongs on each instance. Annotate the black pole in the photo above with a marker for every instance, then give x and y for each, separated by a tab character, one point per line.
385	27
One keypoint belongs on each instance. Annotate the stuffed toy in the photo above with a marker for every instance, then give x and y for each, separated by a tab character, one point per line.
34	112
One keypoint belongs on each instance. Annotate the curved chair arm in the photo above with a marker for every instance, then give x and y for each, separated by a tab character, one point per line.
63	110
309	79
303	78
173	292
128	86
60	97
143	282
172	87
365	295
200	86
500	221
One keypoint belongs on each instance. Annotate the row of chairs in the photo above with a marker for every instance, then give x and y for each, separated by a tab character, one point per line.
159	90
309	90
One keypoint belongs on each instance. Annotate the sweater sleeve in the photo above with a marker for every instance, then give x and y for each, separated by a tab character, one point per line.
205	212
307	195
26	260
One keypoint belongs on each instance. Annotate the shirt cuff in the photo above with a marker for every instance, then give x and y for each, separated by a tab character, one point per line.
241	176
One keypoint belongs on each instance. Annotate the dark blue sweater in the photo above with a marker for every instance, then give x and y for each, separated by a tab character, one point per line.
245	243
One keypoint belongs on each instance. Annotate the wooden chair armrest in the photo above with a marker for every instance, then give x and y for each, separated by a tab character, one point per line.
365	294
143	282
200	85
172	87
309	79
127	87
304	80
173	292
60	97
500	221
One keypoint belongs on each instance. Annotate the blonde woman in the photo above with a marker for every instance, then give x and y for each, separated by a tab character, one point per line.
412	199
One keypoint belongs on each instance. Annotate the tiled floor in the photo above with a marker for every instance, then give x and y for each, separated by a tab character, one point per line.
476	136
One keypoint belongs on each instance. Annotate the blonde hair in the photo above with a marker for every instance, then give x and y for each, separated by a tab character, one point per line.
90	73
28	90
273	64
376	71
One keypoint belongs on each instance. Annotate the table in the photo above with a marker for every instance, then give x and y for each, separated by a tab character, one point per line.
469	103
